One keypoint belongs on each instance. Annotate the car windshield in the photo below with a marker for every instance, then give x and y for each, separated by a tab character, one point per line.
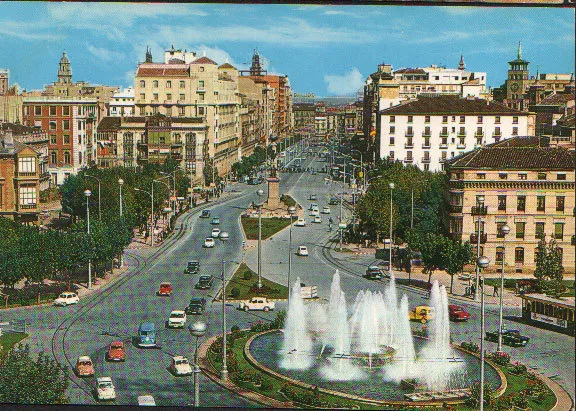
177	315
116	346
86	363
105	385
178	362
145	332
63	295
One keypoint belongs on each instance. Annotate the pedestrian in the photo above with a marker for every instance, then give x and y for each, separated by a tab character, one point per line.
472	289
495	293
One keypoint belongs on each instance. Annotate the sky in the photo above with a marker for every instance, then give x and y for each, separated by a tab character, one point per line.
327	50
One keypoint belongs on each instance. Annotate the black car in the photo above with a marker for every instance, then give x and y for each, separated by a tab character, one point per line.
373	273
334	201
204	282
193	267
205	214
512	338
196	306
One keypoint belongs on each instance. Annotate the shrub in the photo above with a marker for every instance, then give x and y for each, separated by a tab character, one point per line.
519	400
470	346
247	275
259	326
235	292
473	399
501	358
278	322
235	329
518	369
266	385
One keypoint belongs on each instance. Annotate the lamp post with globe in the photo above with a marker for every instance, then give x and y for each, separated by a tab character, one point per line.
504	230
481	263
197	330
88	193
224	236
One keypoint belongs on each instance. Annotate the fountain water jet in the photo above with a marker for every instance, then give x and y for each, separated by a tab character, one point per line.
297	345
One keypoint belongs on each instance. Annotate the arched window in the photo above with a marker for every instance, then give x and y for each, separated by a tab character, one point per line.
66	157
155	83
53	157
142	83
519	255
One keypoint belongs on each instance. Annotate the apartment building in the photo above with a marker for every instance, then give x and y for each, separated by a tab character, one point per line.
70	123
304	114
431	130
19	180
256	113
122	103
10	99
521	182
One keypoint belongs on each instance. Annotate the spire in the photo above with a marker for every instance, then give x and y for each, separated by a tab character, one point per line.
64	70
256	68
519	51
148	55
461	66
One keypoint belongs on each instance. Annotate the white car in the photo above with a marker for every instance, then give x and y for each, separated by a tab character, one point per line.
105	389
326	210
180	366
66	298
215	232
209	242
300	223
146	400
315	212
177	319
257	303
302	250
317	219
313	206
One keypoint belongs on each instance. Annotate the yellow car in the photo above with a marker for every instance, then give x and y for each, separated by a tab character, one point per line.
422	313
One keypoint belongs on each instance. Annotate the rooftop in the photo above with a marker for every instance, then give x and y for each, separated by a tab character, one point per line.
144	71
203	60
452	104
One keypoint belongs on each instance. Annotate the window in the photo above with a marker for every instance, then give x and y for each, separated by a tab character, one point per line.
392	129
560	203
142	96
155	96
409	155
539	230
462	119
169	96
444	119
27	196
497	120
142	83
182	84
142	110
392	155
410	119
181	111
53	157
503	176
392	119
481	176
52	110
561	176
540	203
201	69
427	167
392	141
426	131
168	84
155	84
558	231
426	119
27	165
66	124
155	110
502	203
443	155
479	131
182	97
480	119
66	157
520	228
410	131
497	132
201	111
79	139
521	203
462	131
201	84
52	138
515	120
514	131
37	110
522	176
499	254
201	97
169	111
519	255
66	138
541	176
52	125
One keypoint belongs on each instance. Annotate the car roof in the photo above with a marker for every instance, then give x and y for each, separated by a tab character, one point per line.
374	267
146	400
84	358
177	312
166	283
179	357
205	276
193	262
147	326
104	379
117	342
196	299
454	306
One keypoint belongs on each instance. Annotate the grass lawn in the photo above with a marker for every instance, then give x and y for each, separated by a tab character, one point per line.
10	339
238	281
270	226
289	201
510	284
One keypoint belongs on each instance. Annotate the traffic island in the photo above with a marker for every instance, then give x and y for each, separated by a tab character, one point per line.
244	285
270	226
9	339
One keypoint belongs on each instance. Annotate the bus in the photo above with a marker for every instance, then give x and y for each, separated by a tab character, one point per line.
556	314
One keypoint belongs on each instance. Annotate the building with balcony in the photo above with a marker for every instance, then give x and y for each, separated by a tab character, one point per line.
304	114
122	103
521	182
19	180
431	130
256	112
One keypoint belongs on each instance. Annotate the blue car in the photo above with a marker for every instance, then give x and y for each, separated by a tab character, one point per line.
147	335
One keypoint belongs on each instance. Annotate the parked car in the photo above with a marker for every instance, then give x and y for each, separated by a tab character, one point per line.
147	335
512	338
116	351
215	220
373	273
333	201
257	303
105	389
205	214
457	313
302	251
300	223
315	213
146	400
193	267
84	366
317	219
204	282
215	232
165	289
313	197
180	366
313	206
197	306
209	242
422	313
326	210
177	319
66	298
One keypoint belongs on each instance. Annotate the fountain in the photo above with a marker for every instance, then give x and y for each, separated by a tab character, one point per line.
297	346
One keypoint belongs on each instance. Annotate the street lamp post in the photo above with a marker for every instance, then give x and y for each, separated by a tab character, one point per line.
173	176
482	262
479	201
391	185
121	183
167	185
152	215
88	193
224	372
197	330
99	204
504	230
260	193
292	211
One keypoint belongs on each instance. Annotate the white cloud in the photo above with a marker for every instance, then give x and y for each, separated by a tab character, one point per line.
348	83
27	31
104	54
215	53
129	78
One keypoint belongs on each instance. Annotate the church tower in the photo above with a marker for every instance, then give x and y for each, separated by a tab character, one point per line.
461	66
256	68
64	71
149	54
518	77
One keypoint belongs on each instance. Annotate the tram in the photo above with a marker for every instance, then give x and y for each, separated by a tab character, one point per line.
556	314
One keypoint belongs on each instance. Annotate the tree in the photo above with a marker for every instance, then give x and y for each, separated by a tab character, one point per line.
456	255
549	271
431	247
24	380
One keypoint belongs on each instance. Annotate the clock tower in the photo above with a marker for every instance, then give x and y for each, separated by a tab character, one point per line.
518	77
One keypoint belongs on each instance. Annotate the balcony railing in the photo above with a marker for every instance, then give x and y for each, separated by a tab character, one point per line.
426	134
27	206
474	238
443	134
425	159
409	134
479	210
408	145
479	135
455	208
461	135
444	145
409	160
461	145
27	174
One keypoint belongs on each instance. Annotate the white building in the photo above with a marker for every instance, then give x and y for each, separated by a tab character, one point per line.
428	131
122	103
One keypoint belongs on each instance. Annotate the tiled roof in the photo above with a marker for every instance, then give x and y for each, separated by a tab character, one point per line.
410	71
227	66
161	71
109	123
557	99
567	120
17	129
519	153
439	105
176	61
204	60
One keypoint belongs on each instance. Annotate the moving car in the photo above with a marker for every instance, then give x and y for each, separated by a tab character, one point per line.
147	335
116	351
512	338
204	282
457	313
215	232
193	267
146	400
180	366
315	213
105	389
317	219
333	201
177	319
422	313
300	223
197	306
257	303
205	214
373	273
84	366
165	289
313	206
326	210
209	242
312	196
66	298
215	220
302	250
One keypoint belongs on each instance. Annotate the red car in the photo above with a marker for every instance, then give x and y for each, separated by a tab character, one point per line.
457	313
165	289
116	351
